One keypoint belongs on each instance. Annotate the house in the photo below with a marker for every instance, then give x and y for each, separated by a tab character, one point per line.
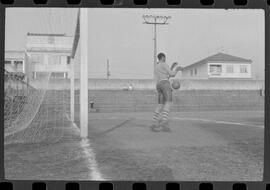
15	62
220	65
48	53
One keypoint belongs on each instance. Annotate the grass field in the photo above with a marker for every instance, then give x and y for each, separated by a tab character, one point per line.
209	145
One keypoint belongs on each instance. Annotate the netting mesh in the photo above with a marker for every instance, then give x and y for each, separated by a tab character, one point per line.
22	104
42	116
37	106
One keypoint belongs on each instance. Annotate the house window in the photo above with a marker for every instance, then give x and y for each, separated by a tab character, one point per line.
55	60
195	71
7	62
215	69
68	60
243	69
39	74
229	69
58	75
36	59
18	62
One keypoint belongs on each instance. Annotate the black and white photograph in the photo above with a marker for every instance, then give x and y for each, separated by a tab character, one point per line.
141	94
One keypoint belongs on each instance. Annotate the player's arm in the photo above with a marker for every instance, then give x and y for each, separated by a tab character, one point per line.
174	65
179	68
169	71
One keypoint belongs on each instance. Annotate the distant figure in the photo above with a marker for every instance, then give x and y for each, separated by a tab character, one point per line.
130	87
163	73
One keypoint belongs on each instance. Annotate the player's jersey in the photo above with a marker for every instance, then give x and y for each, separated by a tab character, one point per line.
163	72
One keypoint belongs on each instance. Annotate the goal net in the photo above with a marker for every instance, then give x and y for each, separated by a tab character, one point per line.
23	101
37	105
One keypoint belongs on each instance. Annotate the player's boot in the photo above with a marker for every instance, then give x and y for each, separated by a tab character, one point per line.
164	126
155	121
155	128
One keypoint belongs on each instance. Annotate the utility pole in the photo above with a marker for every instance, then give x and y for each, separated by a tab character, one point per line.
108	69
155	20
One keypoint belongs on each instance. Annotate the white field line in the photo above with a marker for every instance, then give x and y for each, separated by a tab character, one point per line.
216	121
196	119
199	119
107	118
90	155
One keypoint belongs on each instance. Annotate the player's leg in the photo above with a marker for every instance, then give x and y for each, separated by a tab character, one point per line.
155	119
167	93
159	108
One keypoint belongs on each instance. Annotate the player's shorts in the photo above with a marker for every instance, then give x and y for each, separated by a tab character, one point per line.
164	91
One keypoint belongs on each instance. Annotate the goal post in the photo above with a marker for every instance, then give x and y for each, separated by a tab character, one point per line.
72	90
84	72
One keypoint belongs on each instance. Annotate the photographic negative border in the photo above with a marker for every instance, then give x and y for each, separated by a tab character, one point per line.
94	185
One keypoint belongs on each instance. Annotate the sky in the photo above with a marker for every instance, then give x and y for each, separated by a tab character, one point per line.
119	35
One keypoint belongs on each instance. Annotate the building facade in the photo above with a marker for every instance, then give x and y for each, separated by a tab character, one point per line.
48	53
15	62
222	66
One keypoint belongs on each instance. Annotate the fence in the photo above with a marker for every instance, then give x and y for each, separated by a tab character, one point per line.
145	84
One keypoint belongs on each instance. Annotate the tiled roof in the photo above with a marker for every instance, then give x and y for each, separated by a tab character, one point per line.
221	57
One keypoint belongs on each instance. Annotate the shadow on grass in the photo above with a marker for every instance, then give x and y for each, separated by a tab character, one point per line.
113	128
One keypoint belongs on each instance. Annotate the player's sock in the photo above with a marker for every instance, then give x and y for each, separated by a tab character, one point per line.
156	114
165	113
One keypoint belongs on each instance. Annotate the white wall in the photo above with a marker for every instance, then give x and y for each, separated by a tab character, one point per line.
201	72
63	43
14	56
236	70
149	84
13	68
46	64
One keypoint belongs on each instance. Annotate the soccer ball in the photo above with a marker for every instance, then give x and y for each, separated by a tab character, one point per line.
176	84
